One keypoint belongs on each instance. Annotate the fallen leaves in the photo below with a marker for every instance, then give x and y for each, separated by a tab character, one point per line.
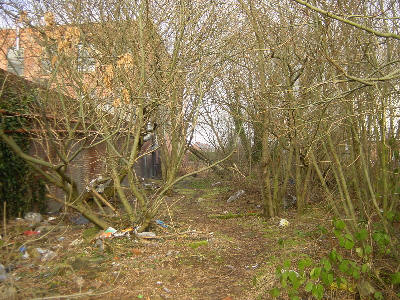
137	251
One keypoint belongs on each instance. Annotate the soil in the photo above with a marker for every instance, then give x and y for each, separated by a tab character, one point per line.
198	256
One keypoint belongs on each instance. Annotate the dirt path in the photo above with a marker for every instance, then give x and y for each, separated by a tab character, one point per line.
218	258
197	257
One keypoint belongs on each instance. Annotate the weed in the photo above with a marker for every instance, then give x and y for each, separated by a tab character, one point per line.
195	245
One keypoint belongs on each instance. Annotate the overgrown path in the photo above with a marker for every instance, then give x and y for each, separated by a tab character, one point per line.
202	256
207	253
204	253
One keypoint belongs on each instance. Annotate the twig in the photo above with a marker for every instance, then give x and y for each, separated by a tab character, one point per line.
169	213
99	205
97	195
180	233
349	22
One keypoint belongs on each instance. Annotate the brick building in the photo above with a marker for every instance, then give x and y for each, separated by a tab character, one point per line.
23	55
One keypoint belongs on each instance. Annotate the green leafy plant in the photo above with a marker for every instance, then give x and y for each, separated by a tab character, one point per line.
336	271
19	186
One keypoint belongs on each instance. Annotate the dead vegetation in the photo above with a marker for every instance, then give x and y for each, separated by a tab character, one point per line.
195	257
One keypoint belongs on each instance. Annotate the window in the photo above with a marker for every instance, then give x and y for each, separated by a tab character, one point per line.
85	63
15	61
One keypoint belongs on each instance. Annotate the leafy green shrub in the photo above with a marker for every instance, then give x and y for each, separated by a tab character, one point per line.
334	271
19	186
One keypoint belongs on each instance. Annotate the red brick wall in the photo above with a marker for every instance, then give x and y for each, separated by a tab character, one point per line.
32	50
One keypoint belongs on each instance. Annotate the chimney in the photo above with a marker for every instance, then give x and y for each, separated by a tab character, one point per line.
20	24
17	39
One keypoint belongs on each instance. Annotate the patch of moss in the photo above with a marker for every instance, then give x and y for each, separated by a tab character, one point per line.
186	192
195	245
90	233
210	194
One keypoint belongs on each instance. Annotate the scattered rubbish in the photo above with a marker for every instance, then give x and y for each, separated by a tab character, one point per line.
146	235
25	254
3	273
125	232
148	136
46	254
31	232
216	184
255	266
79	220
110	230
140	296
283	223
230	267
51	219
45	228
235	196
60	239
161	223
107	233
100	188
97	184
76	242
33	218
166	290
159	282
